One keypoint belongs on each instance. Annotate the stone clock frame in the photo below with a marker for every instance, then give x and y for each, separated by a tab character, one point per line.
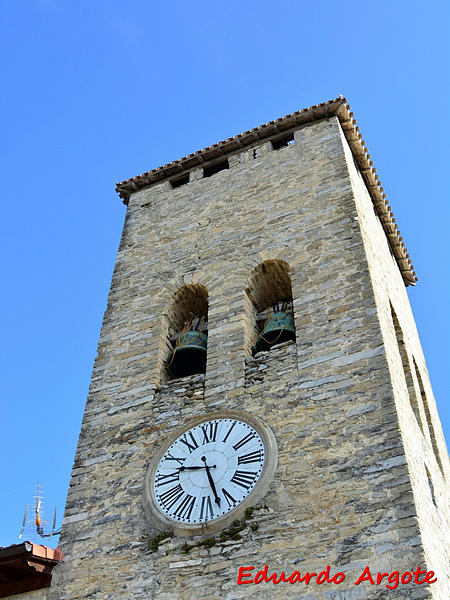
159	520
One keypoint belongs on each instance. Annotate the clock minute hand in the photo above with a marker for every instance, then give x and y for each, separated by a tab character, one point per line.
211	483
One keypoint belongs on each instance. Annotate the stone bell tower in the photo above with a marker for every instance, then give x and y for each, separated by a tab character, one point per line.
260	396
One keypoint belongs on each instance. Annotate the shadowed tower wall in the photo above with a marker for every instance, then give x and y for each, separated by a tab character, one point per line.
361	456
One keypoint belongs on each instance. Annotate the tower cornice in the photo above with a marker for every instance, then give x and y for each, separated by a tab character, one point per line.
338	107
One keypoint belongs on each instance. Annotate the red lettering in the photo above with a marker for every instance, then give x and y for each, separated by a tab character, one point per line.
341	576
294	577
261	575
416	574
324	576
365	576
242	574
380	577
430	574
393	578
408	574
274	580
307	578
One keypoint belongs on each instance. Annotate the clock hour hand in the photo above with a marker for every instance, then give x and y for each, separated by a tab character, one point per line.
211	483
195	468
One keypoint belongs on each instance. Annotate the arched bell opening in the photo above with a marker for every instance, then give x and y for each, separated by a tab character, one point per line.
270	293
187	340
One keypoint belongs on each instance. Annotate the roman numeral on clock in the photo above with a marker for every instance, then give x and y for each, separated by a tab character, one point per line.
170	497
244	478
180	461
206	509
209	432
244	440
185	441
250	457
171	478
228	497
229	431
185	507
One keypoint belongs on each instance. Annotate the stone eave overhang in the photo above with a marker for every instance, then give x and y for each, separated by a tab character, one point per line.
26	567
339	108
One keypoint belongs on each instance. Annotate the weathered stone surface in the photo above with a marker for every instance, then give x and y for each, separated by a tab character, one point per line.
351	486
41	594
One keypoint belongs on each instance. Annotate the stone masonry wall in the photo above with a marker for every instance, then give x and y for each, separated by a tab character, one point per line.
346	492
41	594
434	517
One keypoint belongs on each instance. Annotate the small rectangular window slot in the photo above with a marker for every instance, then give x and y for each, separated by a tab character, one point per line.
281	142
220	166
180	181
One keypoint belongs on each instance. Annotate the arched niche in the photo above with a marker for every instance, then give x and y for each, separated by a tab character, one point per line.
186	331
269	306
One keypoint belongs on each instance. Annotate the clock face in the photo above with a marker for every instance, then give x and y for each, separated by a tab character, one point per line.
208	470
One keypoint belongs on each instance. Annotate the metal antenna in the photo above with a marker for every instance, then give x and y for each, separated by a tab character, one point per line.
23	522
38	522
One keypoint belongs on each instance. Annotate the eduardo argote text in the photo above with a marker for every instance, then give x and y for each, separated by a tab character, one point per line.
391	580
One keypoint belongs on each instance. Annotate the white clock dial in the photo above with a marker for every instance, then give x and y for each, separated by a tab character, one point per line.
208	470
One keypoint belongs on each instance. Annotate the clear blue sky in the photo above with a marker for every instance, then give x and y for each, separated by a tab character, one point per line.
96	92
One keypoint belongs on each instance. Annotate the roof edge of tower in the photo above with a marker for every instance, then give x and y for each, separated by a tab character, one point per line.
338	107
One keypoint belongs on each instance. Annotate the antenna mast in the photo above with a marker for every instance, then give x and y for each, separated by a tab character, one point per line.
37	522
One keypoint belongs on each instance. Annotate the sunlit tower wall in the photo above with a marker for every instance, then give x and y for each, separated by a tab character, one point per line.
294	208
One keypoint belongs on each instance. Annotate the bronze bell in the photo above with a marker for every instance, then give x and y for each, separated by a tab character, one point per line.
278	328
189	354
